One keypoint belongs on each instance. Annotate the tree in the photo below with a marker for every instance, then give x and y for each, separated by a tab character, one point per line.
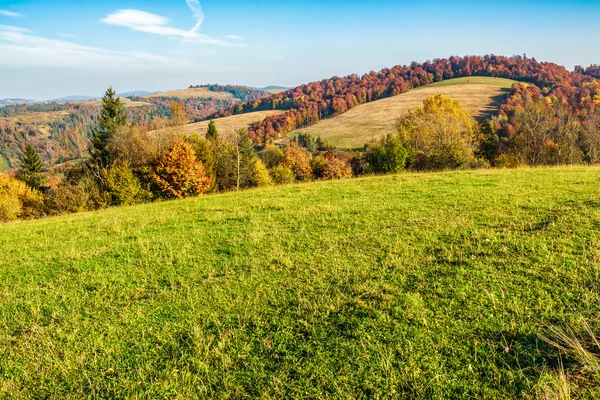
112	117
178	173
245	162
296	159
489	142
535	129
17	200
440	134
30	170
179	117
211	132
272	156
387	155
591	137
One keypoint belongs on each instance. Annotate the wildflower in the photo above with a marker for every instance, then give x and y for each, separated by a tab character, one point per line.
506	349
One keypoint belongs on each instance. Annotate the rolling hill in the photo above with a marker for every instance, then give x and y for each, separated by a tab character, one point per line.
189	93
227	126
431	285
481	96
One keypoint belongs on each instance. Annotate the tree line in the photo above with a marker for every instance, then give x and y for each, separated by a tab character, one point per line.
129	164
307	104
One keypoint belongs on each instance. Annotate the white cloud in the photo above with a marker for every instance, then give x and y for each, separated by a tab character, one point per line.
20	48
10	14
143	21
234	37
194	5
13	29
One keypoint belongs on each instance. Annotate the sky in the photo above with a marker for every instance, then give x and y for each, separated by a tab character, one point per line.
51	49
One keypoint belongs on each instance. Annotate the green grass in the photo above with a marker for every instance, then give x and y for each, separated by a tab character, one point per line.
399	286
4	166
474	80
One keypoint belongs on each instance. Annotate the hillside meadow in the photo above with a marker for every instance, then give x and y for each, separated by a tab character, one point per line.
481	96
433	285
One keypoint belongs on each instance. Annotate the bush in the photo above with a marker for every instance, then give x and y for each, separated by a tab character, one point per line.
318	164
124	187
337	169
17	200
282	175
67	199
507	161
387	155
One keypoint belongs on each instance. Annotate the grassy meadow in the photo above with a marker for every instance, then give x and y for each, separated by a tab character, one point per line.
481	96
433	285
227	126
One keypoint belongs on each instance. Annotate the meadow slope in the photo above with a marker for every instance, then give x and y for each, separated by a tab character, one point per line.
409	285
227	126
481	96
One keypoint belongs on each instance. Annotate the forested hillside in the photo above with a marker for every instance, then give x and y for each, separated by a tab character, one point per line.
307	104
64	135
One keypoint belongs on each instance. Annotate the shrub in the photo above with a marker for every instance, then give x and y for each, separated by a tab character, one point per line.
507	161
282	175
387	155
318	164
17	200
337	169
66	199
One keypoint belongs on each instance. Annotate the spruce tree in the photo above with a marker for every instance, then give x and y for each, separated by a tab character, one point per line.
112	116
212	133
30	169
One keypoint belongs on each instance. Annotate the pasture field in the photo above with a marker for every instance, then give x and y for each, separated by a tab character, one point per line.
128	103
480	96
227	126
203	92
431	285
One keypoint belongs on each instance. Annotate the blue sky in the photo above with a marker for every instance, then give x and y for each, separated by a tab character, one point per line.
50	49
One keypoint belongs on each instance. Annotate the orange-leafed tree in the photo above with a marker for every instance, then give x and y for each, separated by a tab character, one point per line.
178	173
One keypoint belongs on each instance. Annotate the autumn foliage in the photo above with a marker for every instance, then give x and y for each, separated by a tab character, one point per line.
178	173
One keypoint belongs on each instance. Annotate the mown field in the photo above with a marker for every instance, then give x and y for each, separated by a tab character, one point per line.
430	285
227	126
481	96
188	93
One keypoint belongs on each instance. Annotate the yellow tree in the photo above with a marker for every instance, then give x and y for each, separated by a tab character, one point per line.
440	134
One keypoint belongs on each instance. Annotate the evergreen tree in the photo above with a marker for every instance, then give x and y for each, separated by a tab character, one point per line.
245	159
112	117
30	170
212	133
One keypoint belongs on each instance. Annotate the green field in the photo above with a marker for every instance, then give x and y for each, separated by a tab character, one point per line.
410	285
4	166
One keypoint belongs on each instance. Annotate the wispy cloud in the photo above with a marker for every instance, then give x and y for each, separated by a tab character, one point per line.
194	5
10	14
143	21
20	48
234	37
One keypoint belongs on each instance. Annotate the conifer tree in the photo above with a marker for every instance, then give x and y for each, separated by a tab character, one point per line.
30	170
212	133
112	116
